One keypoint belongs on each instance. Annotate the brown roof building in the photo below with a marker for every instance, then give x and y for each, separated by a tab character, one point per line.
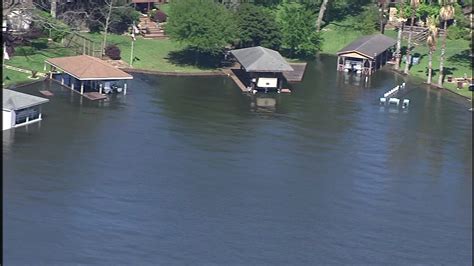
88	74
85	67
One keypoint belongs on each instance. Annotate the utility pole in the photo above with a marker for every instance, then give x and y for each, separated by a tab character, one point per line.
134	30
131	54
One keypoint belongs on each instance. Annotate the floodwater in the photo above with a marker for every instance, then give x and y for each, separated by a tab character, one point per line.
190	171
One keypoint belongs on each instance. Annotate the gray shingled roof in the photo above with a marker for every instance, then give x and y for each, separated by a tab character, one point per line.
13	100
260	59
370	45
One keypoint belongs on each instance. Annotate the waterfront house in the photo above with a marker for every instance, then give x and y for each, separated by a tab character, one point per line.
365	55
20	109
87	75
264	67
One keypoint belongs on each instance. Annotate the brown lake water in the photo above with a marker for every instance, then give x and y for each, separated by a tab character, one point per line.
190	171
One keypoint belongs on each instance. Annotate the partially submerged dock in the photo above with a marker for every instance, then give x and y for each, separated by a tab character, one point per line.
234	74
94	96
262	69
297	74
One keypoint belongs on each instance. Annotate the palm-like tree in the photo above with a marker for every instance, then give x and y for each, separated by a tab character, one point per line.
431	42
446	13
401	22
414	4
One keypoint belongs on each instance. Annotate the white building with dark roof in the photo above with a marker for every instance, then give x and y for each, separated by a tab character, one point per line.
20	109
264	67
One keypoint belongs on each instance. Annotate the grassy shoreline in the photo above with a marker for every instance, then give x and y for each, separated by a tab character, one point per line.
457	63
167	56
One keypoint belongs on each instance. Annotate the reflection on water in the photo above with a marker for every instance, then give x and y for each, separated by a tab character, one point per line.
265	103
190	171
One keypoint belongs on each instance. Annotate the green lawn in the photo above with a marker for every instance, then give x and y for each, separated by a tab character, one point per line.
463	91
152	54
32	57
337	35
11	77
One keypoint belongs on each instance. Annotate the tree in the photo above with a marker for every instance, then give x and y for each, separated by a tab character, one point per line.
413	5
446	13
204	25
383	15
322	9
257	26
401	22
299	35
109	5
367	21
431	42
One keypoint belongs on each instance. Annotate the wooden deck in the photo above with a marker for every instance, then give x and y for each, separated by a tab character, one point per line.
297	74
46	93
237	75
94	96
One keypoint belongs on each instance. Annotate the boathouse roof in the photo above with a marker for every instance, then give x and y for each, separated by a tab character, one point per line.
369	46
85	67
13	100
261	59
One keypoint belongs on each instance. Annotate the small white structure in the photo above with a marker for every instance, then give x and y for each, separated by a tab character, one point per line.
20	109
405	103
383	100
267	83
394	101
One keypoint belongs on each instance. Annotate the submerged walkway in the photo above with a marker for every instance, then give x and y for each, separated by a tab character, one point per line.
234	74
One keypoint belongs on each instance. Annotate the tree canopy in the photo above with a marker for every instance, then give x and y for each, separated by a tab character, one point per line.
298	28
204	25
257	27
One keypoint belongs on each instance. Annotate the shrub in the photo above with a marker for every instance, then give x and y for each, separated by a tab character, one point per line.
113	52
457	32
159	16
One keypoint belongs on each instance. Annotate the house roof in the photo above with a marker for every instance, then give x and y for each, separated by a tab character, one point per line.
85	67
13	100
370	45
260	59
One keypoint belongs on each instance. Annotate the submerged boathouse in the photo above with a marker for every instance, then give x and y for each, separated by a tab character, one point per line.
264	68
365	55
87	74
20	109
